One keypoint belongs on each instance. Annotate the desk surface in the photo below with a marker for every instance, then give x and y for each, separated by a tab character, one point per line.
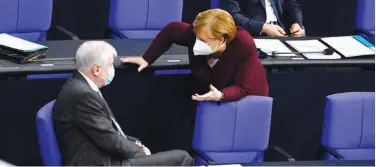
177	56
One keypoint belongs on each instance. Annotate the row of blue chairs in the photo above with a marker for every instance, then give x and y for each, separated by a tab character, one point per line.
133	19
31	20
238	132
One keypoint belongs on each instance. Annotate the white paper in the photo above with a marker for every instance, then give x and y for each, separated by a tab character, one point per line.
18	43
270	45
348	46
312	46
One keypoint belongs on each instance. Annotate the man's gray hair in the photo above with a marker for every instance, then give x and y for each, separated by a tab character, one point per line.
94	53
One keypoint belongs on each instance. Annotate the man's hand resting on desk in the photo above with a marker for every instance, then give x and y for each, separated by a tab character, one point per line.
273	30
296	30
136	60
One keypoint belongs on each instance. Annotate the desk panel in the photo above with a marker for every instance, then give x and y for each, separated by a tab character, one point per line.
175	57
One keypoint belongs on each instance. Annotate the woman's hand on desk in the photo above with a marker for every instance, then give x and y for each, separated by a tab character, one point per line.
213	95
136	60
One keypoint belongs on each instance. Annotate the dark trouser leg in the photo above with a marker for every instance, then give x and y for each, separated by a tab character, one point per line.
167	158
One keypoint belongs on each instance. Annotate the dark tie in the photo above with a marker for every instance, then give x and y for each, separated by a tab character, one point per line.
274	6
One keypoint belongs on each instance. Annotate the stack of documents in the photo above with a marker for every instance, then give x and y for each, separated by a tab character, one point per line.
312	46
19	50
348	46
272	45
19	44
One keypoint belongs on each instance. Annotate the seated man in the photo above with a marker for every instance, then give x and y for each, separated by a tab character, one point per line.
87	131
273	18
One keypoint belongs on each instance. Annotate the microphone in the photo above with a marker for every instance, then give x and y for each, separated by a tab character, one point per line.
328	51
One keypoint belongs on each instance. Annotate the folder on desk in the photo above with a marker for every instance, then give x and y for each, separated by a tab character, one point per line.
350	46
273	45
312	46
19	50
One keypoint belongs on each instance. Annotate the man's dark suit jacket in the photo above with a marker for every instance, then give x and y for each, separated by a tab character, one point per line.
85	133
251	14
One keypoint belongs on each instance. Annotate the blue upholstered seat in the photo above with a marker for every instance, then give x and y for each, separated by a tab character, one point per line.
143	19
48	146
233	132
349	126
365	19
26	19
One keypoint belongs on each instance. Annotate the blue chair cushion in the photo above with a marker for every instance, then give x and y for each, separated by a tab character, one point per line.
365	15
8	15
232	158
128	14
140	34
29	20
215	4
236	130
143	19
353	154
32	36
163	12
48	146
349	123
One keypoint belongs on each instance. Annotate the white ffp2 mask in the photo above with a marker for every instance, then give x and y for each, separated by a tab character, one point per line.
201	48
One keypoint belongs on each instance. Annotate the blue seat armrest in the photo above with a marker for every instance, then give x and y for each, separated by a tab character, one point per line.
116	33
206	158
283	152
67	32
333	153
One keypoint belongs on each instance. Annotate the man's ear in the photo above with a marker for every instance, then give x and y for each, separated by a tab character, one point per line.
95	69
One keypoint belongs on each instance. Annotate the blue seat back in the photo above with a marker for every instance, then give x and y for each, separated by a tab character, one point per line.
48	146
233	132
365	15
215	4
349	125
143	19
26	19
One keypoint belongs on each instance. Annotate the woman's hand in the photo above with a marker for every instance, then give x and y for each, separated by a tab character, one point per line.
136	60
213	95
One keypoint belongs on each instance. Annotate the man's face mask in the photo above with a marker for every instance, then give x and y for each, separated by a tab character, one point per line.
110	76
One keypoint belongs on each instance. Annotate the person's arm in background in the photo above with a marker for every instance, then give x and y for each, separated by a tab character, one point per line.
233	7
174	33
295	16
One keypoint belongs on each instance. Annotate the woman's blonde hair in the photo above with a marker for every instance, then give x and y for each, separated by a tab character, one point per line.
220	24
